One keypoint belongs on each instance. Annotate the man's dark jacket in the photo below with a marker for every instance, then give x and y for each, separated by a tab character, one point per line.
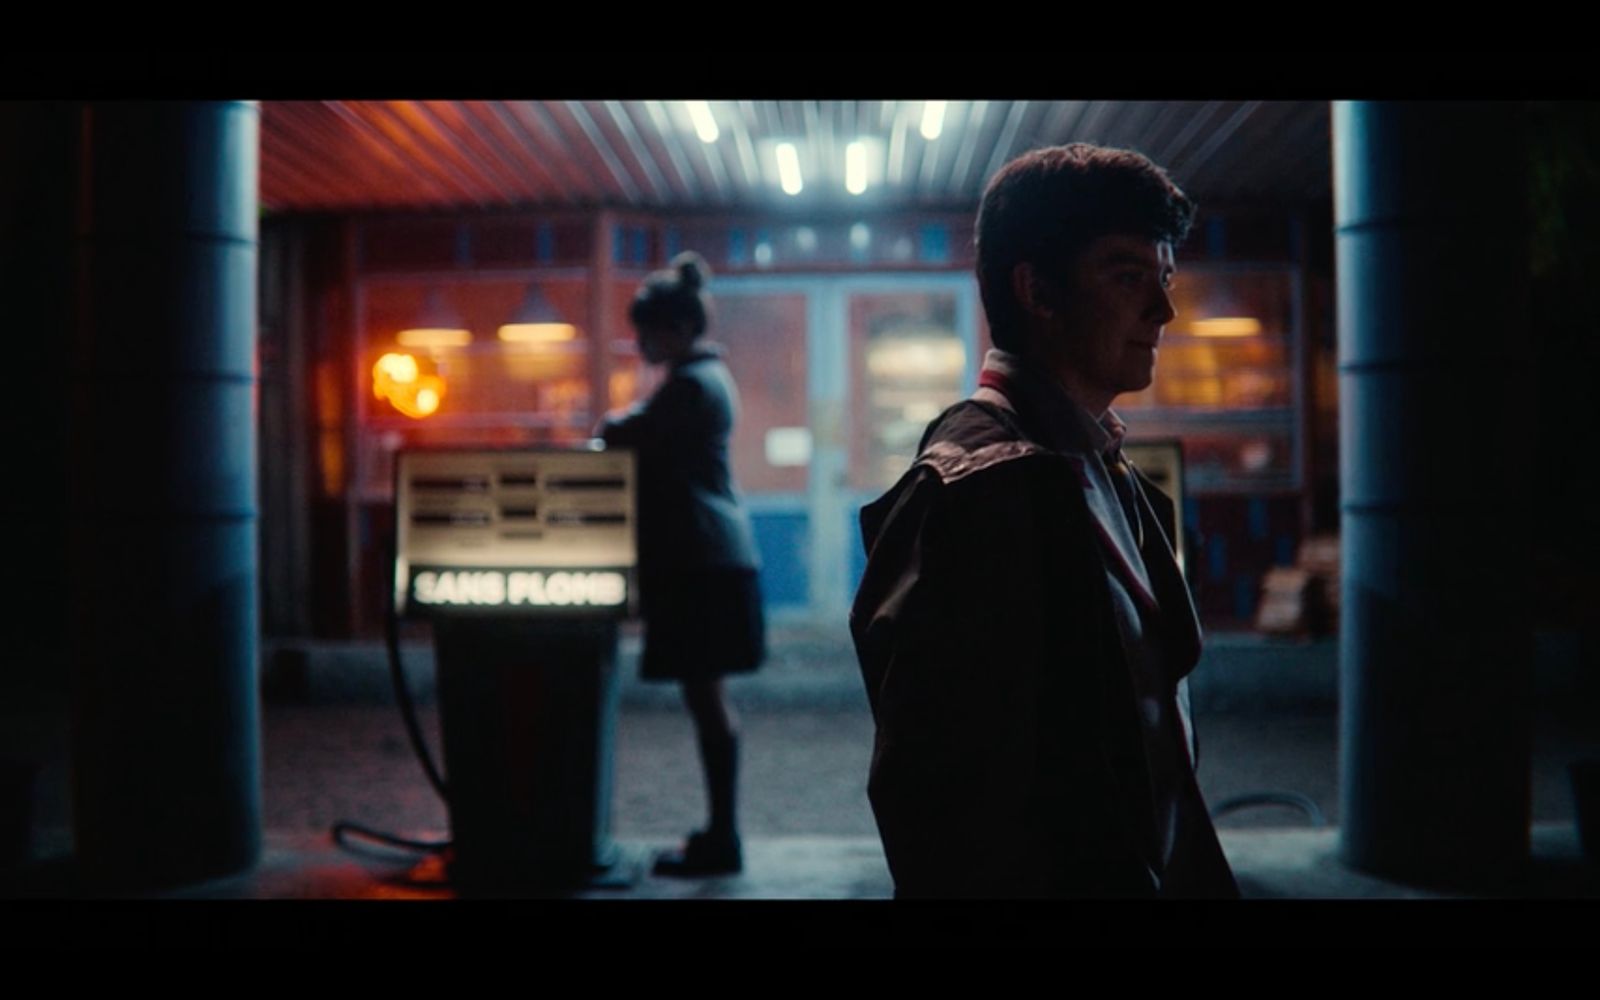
1009	760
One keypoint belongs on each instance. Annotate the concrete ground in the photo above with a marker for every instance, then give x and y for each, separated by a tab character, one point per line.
334	749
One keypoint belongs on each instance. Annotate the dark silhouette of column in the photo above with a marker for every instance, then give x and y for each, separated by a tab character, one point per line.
1435	426
166	745
38	147
38	151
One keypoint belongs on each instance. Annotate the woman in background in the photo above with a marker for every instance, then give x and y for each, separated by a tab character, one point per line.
697	556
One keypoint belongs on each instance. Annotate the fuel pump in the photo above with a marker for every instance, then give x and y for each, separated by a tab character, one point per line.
523	561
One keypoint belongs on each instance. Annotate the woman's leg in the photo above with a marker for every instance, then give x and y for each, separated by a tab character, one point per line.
715	729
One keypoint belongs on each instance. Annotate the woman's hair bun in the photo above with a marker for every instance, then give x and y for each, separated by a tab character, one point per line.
693	271
672	296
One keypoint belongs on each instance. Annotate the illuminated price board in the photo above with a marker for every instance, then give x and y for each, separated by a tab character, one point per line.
532	533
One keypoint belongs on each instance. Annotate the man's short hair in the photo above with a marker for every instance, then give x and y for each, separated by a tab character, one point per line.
1047	205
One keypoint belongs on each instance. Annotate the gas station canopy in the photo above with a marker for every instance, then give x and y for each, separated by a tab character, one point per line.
759	154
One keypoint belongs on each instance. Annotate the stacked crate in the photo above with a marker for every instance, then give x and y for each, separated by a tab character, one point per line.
1303	599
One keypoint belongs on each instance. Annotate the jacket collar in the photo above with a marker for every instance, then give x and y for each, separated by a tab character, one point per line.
1056	421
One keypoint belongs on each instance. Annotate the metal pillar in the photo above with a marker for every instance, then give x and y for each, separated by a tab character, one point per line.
166	743
39	146
1436	471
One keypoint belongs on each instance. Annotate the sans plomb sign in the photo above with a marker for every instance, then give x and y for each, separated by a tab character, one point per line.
525	532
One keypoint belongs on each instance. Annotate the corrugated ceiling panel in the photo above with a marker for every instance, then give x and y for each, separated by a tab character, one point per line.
355	155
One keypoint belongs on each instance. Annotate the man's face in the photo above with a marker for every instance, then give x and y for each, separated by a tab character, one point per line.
1109	318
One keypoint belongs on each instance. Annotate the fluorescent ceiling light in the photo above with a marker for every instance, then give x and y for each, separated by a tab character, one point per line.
789	168
704	125
855	167
933	119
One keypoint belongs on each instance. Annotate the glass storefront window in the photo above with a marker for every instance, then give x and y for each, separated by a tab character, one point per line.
1225	381
764	335
1228	349
487	391
908	364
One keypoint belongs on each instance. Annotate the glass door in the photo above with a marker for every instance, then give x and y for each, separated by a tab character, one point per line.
838	376
912	350
764	329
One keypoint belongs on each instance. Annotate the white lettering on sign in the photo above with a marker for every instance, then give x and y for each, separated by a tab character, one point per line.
462	588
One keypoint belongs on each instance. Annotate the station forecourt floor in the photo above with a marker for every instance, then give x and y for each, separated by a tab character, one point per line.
334	748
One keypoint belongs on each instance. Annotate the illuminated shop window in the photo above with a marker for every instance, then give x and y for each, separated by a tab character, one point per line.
1228	348
908	363
764	336
1225	381
509	356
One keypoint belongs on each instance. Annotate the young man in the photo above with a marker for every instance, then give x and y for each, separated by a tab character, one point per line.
1022	626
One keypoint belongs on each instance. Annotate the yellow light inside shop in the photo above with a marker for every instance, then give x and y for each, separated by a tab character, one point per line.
537	321
538	333
910	357
433	337
399	379
438	324
397	368
1226	326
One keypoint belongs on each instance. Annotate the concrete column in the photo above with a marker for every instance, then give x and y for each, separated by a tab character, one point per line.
39	146
1436	474
38	151
166	744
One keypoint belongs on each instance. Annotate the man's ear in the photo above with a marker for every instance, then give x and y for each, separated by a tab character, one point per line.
1035	293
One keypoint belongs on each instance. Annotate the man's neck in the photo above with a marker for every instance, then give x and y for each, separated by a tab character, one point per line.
1095	401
